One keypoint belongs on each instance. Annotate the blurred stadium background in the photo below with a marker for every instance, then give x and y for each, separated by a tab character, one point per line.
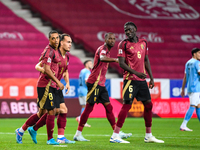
171	28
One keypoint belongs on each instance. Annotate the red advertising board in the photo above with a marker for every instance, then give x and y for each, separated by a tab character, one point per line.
171	108
18	88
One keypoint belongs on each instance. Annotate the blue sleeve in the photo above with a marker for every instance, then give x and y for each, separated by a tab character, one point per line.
185	68
197	65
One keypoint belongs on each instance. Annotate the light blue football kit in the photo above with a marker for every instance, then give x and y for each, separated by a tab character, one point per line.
83	76
192	68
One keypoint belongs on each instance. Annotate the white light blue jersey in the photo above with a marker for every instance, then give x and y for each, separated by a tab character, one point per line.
192	67
83	76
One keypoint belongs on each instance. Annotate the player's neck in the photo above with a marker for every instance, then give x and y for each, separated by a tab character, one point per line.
55	48
134	39
109	47
63	52
87	68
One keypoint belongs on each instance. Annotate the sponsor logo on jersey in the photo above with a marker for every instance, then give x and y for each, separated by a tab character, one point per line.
103	52
49	60
120	51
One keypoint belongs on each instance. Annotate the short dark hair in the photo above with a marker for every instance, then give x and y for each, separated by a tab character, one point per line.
51	32
85	62
106	35
194	50
130	23
62	36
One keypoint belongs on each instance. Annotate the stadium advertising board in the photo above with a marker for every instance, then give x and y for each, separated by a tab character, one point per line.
12	108
18	88
26	88
171	108
175	88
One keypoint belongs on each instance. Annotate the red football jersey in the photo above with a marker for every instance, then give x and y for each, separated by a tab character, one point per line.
51	58
134	54
62	65
100	68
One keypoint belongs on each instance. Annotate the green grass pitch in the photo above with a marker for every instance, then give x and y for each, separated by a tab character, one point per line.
100	132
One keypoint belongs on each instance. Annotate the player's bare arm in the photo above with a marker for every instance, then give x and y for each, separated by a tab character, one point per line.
50	74
148	69
66	78
183	86
104	58
39	67
124	66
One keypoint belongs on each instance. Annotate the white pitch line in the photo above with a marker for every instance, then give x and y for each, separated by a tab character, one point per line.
134	135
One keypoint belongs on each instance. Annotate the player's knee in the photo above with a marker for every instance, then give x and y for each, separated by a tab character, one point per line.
109	108
57	111
41	112
148	106
63	109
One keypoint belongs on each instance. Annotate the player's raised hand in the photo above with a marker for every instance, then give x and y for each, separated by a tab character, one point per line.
151	84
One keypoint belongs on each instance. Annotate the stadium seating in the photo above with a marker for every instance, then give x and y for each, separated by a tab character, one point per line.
170	27
21	47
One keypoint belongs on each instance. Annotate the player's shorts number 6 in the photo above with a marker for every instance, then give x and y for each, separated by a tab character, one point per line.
130	88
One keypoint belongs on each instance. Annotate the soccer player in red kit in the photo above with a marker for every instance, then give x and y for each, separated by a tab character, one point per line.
46	88
61	109
97	92
133	58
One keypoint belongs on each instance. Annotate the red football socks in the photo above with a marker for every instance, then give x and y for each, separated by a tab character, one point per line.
30	121
123	114
148	114
84	116
50	126
110	116
61	123
41	122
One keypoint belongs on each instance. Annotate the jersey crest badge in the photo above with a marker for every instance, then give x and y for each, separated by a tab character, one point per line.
103	52
142	46
120	51
132	47
49	60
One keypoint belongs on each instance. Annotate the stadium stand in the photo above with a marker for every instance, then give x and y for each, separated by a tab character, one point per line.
171	28
21	46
